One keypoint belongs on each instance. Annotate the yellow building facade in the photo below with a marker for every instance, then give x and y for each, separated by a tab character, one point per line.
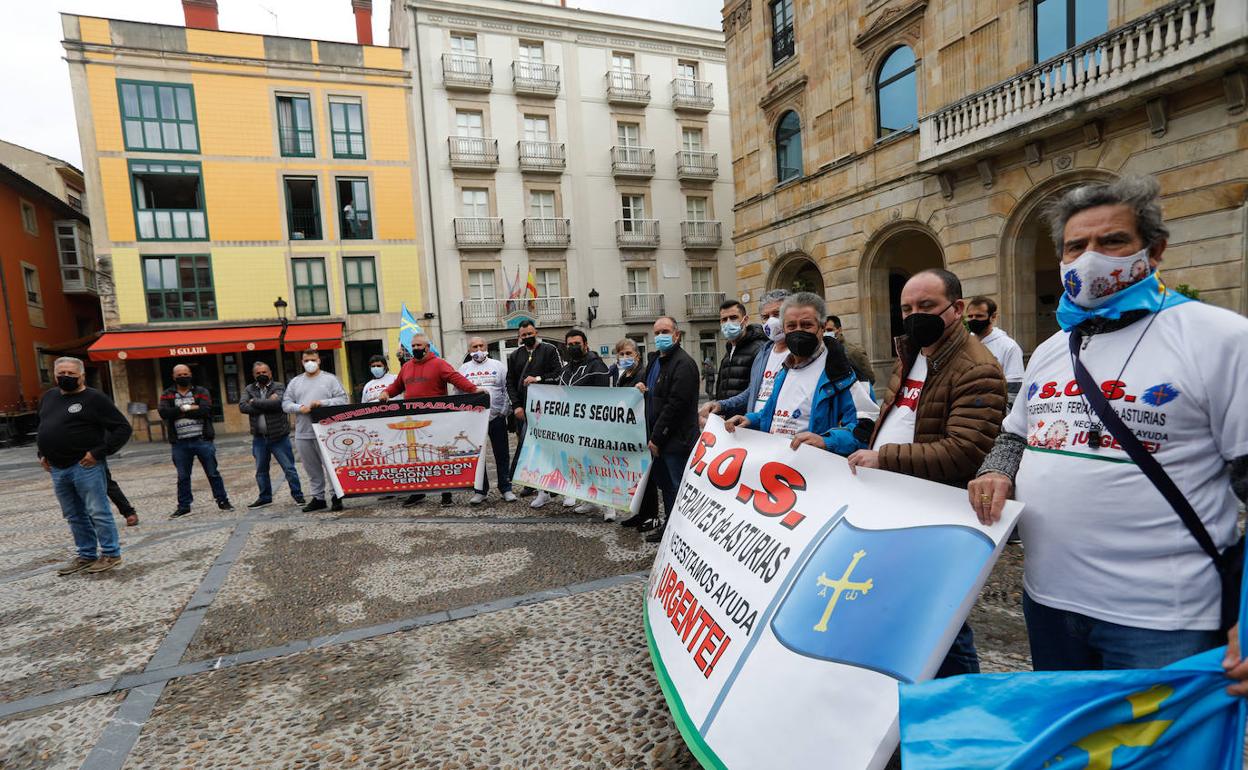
231	173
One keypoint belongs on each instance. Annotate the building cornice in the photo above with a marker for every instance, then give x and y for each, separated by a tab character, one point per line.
265	66
737	18
782	92
891	18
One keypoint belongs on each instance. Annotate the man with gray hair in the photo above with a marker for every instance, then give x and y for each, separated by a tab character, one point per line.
270	434
1128	445
767	364
78	428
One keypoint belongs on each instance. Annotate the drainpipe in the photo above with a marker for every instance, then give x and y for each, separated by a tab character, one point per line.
424	141
8	317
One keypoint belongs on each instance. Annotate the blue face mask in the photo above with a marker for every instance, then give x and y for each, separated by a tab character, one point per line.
377	371
626	363
730	329
664	342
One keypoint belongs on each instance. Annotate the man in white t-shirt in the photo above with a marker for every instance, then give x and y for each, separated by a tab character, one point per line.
381	380
1113	578
490	376
765	367
981	319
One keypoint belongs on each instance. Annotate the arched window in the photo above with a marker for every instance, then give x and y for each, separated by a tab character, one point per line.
897	101
788	147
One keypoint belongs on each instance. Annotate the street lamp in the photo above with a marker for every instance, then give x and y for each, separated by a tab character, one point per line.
280	306
593	306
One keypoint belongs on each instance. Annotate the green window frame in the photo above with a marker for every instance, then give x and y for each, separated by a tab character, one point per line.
294	126
158	117
360	278
311	286
167	223
303	223
346	126
179	287
358	225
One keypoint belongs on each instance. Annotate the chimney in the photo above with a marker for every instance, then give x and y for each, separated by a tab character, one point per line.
200	14
363	21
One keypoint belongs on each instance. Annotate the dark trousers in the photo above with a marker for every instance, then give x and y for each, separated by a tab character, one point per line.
522	427
962	657
184	454
497	431
119	499
262	449
669	468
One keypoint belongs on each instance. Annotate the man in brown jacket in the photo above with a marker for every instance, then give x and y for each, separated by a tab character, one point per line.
946	407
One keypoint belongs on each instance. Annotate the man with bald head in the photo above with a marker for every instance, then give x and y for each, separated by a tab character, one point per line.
490	375
187	411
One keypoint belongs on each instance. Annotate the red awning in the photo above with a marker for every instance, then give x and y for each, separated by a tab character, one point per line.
167	343
324	336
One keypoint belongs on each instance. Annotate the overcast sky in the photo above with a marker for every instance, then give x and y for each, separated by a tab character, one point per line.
38	110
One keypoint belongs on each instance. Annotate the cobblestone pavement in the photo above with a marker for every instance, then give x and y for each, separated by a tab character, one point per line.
378	637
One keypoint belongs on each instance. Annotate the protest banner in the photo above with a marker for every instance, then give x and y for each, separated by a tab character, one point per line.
587	443
789	597
418	445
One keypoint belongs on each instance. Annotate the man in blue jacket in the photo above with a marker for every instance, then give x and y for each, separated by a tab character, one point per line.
811	401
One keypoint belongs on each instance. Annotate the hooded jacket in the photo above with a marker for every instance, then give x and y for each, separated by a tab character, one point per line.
590	371
428	376
734	369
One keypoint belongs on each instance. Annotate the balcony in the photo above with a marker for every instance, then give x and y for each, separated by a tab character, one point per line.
636	162
637	233
703	305
694	166
478	232
1130	62
547	233
641	307
628	88
172	224
78	280
542	157
535	79
473	152
467	73
496	313
692	95
782	45
699	234
305	224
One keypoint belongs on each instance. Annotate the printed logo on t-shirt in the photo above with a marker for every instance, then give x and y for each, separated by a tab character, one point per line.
75	408
1059	416
909	394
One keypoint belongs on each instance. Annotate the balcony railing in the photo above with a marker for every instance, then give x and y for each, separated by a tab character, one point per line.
692	95
641	307
1161	40
700	305
467	73
637	233
478	232
542	157
495	313
691	165
535	79
699	234
78	280
172	224
781	45
632	161
305	225
547	232
473	152
625	87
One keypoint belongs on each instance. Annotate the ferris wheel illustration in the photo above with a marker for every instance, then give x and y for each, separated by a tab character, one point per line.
351	445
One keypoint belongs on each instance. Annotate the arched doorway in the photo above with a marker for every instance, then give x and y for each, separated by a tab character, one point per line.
895	255
1030	280
795	273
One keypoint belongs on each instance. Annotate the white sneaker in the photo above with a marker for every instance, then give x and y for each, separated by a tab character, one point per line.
476	499
568	502
510	496
609	514
585	508
541	499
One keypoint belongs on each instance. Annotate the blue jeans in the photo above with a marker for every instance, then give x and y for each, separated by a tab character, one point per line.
263	449
184	454
962	657
1067	641
83	495
669	468
497	431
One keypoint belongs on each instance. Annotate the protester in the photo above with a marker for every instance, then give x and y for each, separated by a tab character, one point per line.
708	376
310	390
270	434
1113	576
857	356
534	361
490	375
187	412
811	402
583	368
627	372
981	319
763	370
426	375
78	428
948	399
671	388
744	340
380	381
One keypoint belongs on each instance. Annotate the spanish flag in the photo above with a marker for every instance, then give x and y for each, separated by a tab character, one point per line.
531	286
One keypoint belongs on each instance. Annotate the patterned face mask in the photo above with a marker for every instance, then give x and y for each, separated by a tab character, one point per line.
1093	278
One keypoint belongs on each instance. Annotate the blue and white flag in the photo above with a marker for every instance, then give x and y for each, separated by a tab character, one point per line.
409	328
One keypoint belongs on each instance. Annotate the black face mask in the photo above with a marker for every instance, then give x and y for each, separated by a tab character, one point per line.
418	354
802	344
67	383
978	326
263	379
924	329
530	342
576	352
184	382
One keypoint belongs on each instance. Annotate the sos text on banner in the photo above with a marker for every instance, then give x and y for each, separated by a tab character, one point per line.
587	443
423	444
789	597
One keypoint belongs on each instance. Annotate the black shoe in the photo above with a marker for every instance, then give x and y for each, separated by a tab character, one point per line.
639	521
413	500
336	505
527	492
300	501
316	504
447	501
225	505
259	504
179	513
655	535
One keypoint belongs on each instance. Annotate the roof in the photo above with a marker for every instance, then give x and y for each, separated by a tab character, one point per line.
31	190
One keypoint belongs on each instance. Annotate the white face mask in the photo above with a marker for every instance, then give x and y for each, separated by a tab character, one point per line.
479	355
311	366
1093	278
774	329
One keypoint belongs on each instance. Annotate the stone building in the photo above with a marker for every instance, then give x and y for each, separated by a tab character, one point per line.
875	138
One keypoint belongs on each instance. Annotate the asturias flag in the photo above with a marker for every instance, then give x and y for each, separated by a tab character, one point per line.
408	328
